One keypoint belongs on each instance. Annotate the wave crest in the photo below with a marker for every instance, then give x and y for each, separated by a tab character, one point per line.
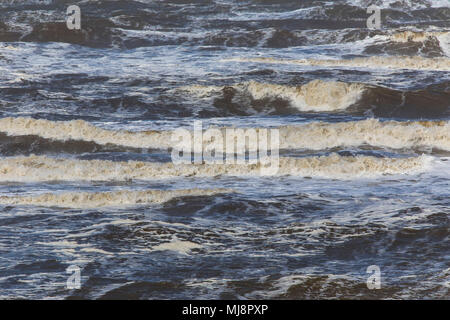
313	136
107	199
82	130
316	95
389	62
41	168
390	134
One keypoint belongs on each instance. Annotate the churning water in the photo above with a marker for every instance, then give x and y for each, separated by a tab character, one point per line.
86	176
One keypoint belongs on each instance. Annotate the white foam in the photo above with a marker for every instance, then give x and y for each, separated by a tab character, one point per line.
389	134
381	62
106	199
82	130
406	4
316	95
42	168
314	135
178	246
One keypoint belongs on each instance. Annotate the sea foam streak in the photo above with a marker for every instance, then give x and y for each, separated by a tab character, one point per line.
107	199
417	36
82	130
389	62
316	95
42	168
389	134
314	135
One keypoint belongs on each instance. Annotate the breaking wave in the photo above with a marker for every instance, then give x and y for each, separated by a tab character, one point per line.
390	134
107	199
313	136
82	130
316	95
431	102
320	96
389	62
412	43
415	135
42	168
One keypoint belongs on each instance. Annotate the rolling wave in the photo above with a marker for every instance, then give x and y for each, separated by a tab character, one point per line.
431	102
417	36
106	199
12	145
412	43
390	134
42	168
82	130
388	62
317	95
322	96
313	136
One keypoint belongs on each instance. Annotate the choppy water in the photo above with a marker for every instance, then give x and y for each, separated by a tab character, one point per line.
86	176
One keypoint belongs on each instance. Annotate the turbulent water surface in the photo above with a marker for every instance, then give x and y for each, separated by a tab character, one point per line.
86	177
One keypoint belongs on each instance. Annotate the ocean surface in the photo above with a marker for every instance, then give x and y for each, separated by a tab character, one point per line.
87	178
